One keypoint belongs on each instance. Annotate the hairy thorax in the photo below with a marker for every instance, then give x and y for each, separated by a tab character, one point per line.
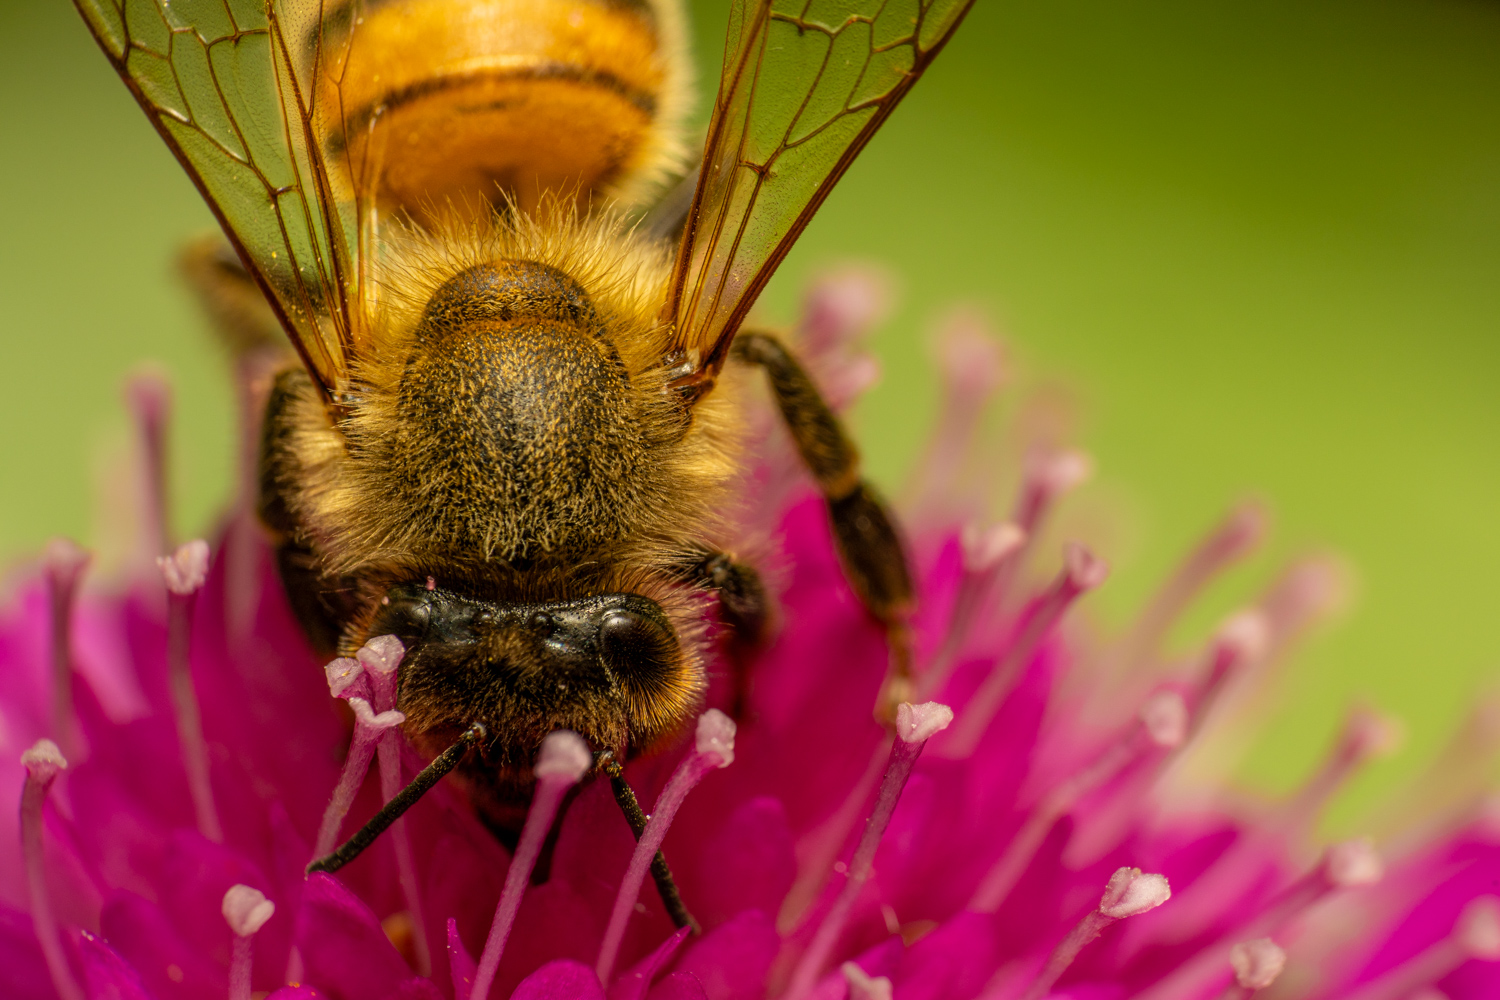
519	434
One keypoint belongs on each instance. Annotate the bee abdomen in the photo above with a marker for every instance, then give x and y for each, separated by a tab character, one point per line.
457	100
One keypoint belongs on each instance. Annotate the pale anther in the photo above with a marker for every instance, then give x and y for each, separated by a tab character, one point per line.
1132	892
919	723
43	760
1086	571
1350	864
1165	716
564	754
1245	634
64	557
1257	963
246	910
715	736
382	654
341	673
1478	928
863	986
983	548
185	569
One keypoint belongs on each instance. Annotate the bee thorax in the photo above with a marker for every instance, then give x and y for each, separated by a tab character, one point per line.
518	432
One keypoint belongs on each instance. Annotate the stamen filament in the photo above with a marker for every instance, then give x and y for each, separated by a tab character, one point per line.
714	748
65	563
825	842
43	763
150	400
661	872
1081	573
1476	935
985	556
1048	476
184	572
1349	864
246	911
389	750
1128	894
1232	539
564	759
1162	724
380	658
915	725
408	796
368	728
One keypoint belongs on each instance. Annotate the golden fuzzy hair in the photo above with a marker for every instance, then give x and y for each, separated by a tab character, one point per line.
603	468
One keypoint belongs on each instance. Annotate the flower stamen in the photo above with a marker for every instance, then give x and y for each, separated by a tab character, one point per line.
1476	935
43	763
1256	964
246	911
563	760
1048	476
380	658
149	399
1128	894
184	572
1236	536
713	748
1082	571
64	562
1349	864
915	725
986	552
863	986
1162	724
367	729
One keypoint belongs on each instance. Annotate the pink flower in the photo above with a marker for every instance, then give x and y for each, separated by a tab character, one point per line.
1036	825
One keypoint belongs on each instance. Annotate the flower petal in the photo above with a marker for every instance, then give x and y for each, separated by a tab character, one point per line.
347	955
563	979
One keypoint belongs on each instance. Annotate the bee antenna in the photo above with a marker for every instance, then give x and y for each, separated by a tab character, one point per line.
661	874
400	802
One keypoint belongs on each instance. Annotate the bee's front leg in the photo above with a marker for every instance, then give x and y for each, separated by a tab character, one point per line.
869	547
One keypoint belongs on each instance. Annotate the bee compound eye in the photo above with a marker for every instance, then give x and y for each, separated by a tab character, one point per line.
636	644
540	621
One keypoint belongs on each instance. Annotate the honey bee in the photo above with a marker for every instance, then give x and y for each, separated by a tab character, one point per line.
512	424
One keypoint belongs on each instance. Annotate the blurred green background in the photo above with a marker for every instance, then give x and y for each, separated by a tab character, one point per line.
1259	241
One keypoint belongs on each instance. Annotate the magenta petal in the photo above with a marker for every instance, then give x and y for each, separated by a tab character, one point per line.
633	984
299	992
731	960
141	932
748	865
678	986
109	977
563	979
417	988
26	975
460	963
954	960
347	955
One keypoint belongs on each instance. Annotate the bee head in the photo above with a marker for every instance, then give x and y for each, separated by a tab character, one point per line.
609	667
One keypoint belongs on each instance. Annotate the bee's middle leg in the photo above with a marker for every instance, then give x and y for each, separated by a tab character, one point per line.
869	548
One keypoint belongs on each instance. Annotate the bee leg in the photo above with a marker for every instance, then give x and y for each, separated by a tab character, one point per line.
230	297
743	606
666	886
868	546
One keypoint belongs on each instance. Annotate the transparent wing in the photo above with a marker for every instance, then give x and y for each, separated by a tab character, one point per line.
806	83
237	89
